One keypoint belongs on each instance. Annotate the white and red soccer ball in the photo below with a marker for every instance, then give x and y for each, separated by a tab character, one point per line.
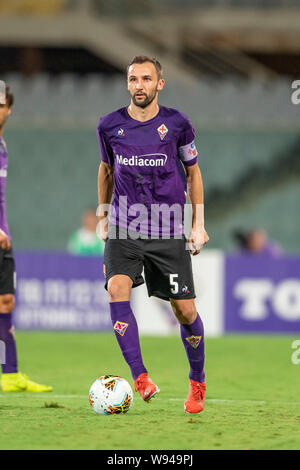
110	394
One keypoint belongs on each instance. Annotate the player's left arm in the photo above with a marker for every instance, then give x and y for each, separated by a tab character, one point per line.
198	236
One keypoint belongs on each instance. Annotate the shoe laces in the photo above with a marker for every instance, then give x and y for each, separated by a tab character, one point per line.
24	376
198	391
140	380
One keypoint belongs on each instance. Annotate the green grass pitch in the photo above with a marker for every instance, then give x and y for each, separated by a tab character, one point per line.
253	399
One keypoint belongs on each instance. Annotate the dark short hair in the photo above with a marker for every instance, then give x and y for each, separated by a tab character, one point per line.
141	59
9	96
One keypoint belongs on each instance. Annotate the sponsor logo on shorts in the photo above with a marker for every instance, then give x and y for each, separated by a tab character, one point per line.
120	327
194	341
185	290
162	131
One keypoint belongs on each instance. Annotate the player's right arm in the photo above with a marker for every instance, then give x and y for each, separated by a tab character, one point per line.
105	179
105	192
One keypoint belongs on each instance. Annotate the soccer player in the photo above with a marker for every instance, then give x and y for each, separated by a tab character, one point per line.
11	380
148	158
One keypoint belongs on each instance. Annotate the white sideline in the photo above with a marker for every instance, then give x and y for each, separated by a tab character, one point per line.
211	400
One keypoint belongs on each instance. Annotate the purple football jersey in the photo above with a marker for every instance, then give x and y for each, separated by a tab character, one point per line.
3	174
147	158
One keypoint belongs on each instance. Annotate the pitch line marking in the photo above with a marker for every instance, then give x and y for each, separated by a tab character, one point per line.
211	400
257	402
41	395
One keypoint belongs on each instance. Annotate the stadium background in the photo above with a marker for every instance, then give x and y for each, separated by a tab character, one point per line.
229	66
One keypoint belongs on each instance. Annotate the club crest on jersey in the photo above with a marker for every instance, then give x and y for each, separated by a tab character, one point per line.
120	327
162	131
194	341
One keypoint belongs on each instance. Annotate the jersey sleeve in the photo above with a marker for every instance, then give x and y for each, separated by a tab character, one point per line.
106	153
186	144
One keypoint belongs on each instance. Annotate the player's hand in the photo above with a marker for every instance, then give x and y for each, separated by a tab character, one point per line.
102	228
197	240
4	241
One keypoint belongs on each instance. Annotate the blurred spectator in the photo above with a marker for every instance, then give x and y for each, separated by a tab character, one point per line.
85	241
256	242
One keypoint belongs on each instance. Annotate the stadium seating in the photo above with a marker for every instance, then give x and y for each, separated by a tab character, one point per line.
52	179
118	7
209	104
226	155
272	211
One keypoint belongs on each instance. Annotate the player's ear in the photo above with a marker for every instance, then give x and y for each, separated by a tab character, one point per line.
9	111
160	84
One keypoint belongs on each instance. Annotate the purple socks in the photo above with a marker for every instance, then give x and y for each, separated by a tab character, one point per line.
126	331
6	335
193	339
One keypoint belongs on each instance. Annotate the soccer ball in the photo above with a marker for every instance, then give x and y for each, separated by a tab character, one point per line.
110	394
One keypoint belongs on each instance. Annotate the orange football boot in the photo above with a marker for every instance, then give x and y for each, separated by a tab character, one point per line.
146	388
196	397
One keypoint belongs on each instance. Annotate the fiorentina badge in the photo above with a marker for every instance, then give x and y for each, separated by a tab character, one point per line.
194	341
162	131
120	327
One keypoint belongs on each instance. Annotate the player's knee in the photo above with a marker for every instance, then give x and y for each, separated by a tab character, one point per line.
185	311
186	317
119	288
7	303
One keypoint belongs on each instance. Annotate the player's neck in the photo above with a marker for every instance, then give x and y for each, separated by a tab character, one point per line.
143	114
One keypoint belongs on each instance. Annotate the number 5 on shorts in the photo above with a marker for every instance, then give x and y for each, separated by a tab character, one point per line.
173	283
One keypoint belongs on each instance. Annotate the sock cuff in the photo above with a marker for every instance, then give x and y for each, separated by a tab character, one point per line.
196	319
195	328
190	325
119	310
124	302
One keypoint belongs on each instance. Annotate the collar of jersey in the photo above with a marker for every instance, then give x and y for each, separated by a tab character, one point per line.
143	122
